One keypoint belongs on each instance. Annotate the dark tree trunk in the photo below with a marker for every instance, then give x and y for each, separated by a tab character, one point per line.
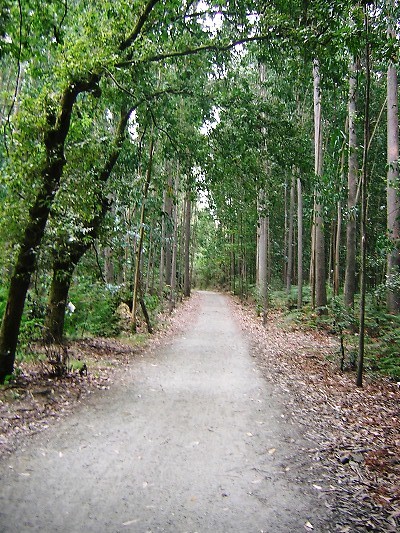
57	303
38	215
70	253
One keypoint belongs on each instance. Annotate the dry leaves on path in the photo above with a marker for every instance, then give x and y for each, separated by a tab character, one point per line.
356	432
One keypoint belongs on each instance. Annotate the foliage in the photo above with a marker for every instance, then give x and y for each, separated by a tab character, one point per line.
94	314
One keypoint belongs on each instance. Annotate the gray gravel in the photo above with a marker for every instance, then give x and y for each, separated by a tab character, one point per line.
194	440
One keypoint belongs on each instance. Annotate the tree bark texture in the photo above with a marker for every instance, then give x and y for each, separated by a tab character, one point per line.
352	186
320	275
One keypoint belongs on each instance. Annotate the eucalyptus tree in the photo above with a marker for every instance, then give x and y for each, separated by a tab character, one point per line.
393	197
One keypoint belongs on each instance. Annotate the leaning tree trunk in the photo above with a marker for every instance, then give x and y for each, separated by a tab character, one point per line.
69	253
393	198
319	269
54	142
352	186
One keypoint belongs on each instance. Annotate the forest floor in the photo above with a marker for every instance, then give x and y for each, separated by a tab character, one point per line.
353	463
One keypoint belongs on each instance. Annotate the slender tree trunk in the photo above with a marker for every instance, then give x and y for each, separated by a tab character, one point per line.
233	264
139	248
162	252
364	177
393	195
168	227
312	258
289	271
150	267
172	299
320	276
38	215
352	185
188	215
299	245
285	238
336	261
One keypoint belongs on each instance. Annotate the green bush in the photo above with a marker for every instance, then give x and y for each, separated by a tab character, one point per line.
94	314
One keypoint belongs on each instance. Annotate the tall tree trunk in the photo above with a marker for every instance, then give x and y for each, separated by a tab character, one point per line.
289	270
299	245
320	277
336	260
69	253
364	177
188	215
172	299
54	142
136	282
352	186
162	251
393	198
168	227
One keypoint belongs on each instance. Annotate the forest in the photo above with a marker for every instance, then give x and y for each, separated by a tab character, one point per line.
150	147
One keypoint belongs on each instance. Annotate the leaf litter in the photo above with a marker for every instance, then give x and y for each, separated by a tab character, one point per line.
355	432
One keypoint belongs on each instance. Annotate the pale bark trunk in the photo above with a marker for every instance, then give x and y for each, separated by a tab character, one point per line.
393	199
162	252
289	270
136	287
168	227
364	189
352	186
172	299
188	215
299	245
320	281
336	260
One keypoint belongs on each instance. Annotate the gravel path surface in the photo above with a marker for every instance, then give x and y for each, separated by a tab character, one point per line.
193	440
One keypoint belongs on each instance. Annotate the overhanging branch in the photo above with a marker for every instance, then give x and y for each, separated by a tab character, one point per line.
193	51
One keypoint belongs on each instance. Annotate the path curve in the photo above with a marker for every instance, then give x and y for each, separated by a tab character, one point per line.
194	441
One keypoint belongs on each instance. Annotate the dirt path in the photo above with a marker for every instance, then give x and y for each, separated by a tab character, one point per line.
193	441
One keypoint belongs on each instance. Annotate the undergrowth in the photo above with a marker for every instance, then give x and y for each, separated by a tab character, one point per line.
382	330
